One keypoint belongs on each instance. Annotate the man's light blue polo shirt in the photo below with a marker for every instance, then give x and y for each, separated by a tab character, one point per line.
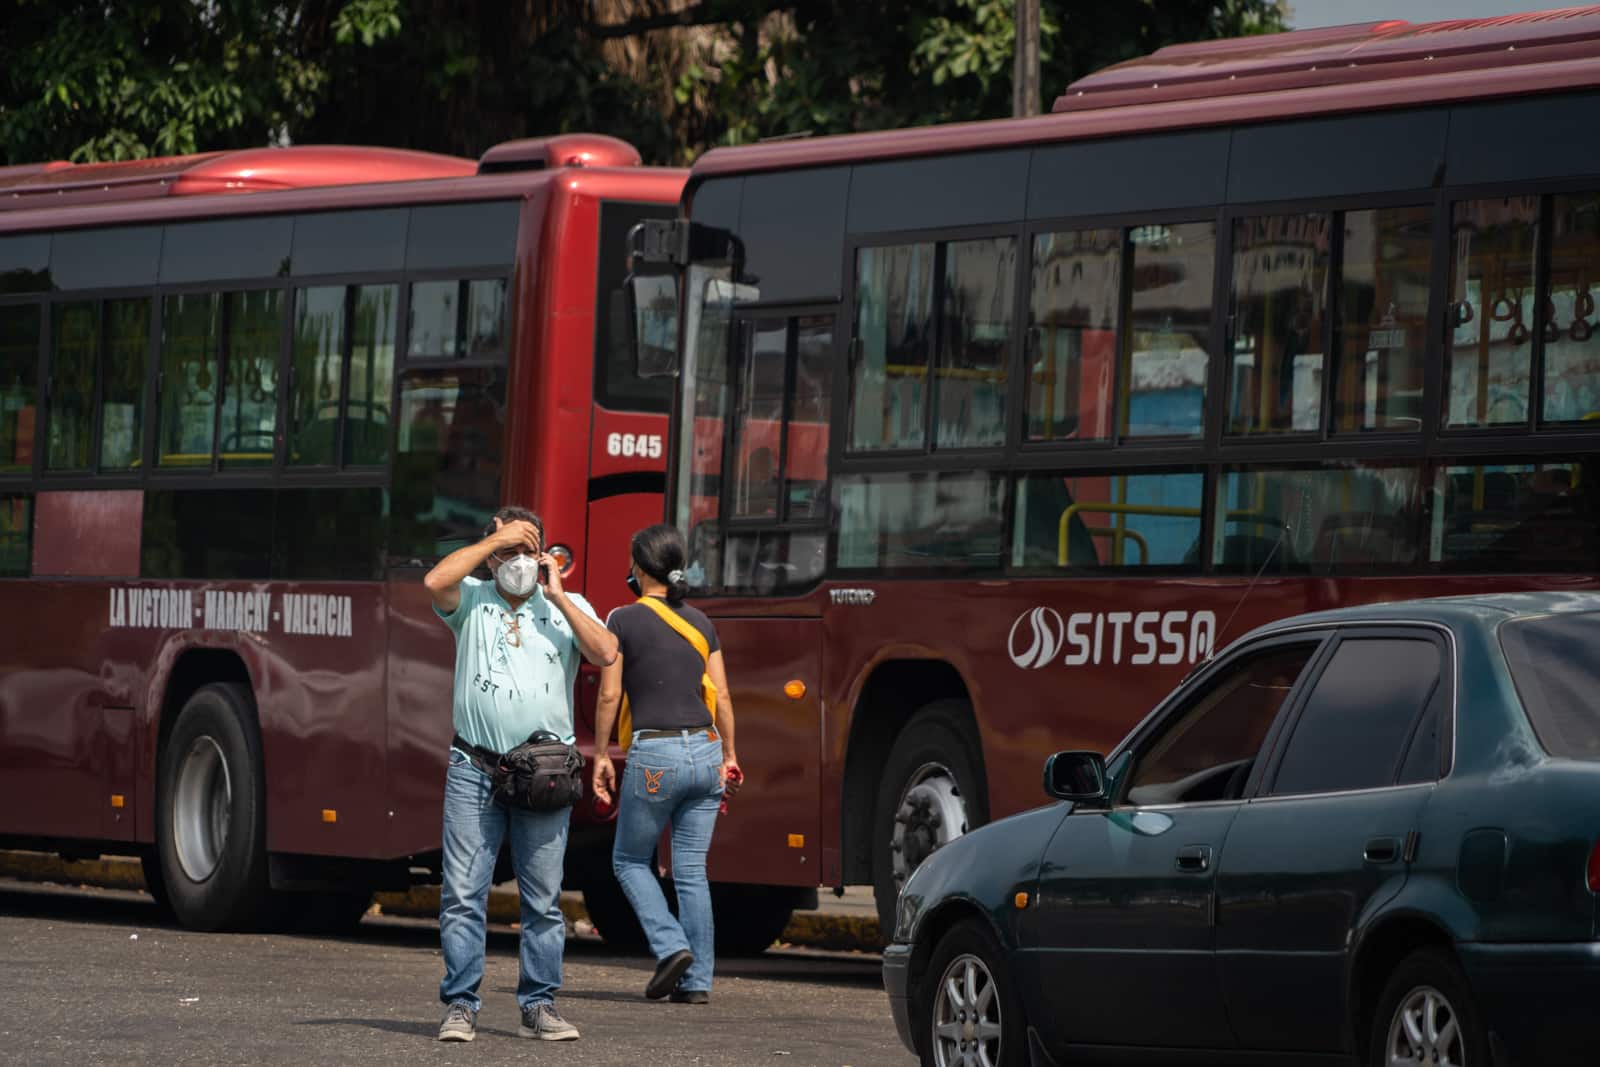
514	669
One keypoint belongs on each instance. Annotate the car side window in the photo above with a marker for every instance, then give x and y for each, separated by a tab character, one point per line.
1359	716
1424	759
1207	751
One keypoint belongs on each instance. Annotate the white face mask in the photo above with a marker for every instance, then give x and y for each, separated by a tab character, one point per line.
517	575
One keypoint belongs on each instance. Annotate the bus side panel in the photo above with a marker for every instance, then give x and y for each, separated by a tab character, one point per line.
772	832
421	673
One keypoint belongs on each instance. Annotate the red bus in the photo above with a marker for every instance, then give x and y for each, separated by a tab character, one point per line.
247	398
1240	329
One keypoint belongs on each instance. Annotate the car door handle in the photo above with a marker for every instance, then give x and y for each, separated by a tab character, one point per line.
1194	858
1381	850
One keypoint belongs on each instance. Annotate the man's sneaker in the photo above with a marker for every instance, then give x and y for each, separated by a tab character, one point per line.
545	1023
460	1024
668	973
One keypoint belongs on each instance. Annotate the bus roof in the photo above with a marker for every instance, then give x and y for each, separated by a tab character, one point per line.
256	170
1365	67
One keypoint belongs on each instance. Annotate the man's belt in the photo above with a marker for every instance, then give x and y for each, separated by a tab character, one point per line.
485	759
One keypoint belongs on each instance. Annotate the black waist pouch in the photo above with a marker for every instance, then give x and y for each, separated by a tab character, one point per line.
544	773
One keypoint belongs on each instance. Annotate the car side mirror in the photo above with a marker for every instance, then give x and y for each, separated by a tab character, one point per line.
652	315
1076	776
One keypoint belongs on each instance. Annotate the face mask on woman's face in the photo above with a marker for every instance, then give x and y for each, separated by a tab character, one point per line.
517	575
633	584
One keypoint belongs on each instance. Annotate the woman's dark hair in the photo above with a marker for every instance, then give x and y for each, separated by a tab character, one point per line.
658	551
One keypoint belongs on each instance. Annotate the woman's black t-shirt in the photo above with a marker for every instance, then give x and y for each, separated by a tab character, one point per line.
660	670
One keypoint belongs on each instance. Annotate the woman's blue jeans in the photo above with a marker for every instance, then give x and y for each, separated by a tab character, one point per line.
673	779
474	826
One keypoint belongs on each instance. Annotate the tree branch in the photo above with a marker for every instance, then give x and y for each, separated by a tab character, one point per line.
701	14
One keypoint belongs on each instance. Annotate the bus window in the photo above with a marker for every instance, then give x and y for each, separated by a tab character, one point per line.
1530	516
1493	253
758	421
893	341
1324	519
1106	520
457	319
805	477
773	561
1074	298
617	384
127	351
19	384
1278	308
976	306
16	536
250	401
317	383
375	318
447	459
920	521
74	353
1571	351
1383	319
1167	340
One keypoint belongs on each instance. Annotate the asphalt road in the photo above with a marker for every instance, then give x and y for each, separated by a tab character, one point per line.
95	976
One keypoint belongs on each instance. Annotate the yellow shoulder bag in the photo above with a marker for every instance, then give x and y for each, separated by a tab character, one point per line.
687	631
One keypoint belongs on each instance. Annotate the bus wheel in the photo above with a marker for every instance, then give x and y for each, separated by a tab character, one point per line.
154	884
321	913
749	918
930	794
613	916
211	812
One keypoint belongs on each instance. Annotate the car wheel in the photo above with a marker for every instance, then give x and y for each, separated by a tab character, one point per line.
211	824
1426	1016
967	1004
930	794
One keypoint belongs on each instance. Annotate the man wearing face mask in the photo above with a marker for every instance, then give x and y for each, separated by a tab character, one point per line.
518	639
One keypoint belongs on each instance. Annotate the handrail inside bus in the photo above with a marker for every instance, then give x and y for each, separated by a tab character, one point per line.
1118	534
1253	518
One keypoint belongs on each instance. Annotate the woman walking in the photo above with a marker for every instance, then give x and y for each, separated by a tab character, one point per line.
670	685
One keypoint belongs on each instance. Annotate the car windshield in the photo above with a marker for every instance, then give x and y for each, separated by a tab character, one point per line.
1557	672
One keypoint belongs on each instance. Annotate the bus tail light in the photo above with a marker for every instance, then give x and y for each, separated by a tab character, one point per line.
1594	868
563	556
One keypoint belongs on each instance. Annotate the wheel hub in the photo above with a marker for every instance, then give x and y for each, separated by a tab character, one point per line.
930	815
966	1016
1425	1032
202	806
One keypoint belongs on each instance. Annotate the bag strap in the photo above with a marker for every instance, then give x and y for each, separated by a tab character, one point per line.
689	633
685	628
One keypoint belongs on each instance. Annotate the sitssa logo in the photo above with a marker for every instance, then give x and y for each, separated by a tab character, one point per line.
1039	638
1036	644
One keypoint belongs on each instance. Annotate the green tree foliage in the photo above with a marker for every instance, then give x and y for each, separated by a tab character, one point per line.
90	81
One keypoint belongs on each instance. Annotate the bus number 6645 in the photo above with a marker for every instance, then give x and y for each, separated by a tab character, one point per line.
634	444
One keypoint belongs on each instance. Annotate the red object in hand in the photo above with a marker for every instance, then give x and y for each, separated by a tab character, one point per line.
735	777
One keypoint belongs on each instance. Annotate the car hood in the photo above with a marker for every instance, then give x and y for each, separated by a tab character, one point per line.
986	867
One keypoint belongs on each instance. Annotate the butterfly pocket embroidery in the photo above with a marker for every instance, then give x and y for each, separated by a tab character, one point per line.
652	779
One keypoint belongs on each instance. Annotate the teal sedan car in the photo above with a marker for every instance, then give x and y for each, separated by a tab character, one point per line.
1366	836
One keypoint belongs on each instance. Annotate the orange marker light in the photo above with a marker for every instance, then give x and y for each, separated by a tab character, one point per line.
118	800
1022	901
795	689
797	840
329	815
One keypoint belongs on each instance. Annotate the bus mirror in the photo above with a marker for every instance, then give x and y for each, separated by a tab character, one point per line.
653	323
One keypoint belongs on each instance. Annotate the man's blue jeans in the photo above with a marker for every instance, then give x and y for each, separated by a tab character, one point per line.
673	779
474	826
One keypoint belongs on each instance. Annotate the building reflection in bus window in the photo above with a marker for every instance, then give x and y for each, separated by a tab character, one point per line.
375	319
447	461
1168	334
1492	260
894	337
1074	298
1107	520
805	479
1332	519
1278	309
250	401
758	421
75	347
16	536
457	319
191	335
127	324
976	305
767	562
1571	350
1530	516
318	384
1384	277
920	521
19	384
706	358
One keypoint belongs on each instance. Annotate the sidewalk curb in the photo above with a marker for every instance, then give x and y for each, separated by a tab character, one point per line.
849	933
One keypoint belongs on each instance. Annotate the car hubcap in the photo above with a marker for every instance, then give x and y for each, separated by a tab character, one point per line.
201	806
1425	1032
930	815
966	1016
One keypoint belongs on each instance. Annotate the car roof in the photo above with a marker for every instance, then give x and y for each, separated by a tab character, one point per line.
1452	611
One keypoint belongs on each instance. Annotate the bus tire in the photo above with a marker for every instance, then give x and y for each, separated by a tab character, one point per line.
931	792
321	913
612	916
154	884
211	820
749	918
